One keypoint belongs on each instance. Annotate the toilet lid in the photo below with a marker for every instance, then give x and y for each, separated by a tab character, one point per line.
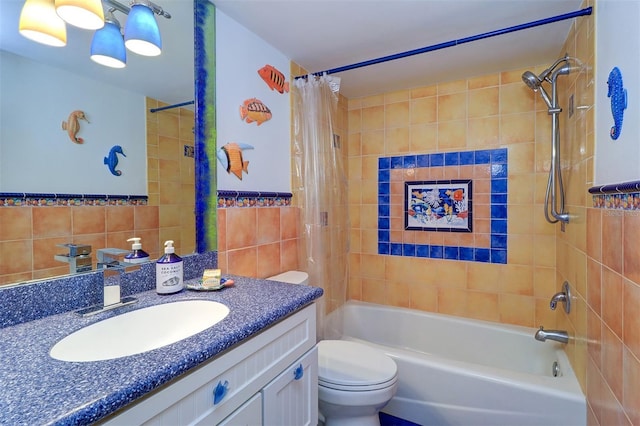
347	364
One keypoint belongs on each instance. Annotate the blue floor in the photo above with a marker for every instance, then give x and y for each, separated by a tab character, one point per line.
389	420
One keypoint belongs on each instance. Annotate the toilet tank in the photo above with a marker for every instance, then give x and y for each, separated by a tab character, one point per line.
291	277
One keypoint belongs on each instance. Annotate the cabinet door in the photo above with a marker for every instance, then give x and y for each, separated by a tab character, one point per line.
248	414
291	399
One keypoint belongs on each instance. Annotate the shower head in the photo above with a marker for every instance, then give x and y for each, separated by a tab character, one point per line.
535	81
531	80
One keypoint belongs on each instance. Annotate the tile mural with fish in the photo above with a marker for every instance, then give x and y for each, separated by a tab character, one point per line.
438	205
488	240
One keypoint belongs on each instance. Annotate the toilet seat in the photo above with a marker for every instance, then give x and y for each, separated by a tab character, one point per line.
352	366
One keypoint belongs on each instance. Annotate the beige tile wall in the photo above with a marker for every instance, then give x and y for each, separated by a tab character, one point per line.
258	241
486	112
606	321
29	235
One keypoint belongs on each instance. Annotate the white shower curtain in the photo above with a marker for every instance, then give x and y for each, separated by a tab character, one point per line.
321	193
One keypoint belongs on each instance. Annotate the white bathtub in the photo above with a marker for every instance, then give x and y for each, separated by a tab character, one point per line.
455	371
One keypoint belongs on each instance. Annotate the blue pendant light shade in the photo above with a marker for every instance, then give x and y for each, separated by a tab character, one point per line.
141	33
107	46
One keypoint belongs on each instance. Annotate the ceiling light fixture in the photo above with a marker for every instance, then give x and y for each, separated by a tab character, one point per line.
86	14
40	23
141	32
43	21
107	46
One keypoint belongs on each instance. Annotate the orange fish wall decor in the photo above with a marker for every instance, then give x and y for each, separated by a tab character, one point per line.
254	110
72	125
274	78
230	156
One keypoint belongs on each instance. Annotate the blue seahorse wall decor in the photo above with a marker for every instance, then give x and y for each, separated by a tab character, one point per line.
618	95
112	160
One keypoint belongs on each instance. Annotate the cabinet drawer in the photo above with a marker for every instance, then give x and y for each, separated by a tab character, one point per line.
243	371
249	414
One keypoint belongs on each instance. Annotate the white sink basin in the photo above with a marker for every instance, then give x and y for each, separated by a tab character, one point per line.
139	331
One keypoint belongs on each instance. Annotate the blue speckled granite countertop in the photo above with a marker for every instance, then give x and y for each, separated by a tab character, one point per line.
37	389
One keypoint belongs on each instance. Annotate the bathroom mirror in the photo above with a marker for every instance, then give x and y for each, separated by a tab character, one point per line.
167	78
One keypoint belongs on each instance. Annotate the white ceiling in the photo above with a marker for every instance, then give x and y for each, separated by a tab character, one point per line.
324	34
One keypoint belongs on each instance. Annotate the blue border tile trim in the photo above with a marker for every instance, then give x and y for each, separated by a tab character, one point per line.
18	199
497	158
228	199
617	196
616	188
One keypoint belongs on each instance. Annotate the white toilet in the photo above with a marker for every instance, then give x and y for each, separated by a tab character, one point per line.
354	380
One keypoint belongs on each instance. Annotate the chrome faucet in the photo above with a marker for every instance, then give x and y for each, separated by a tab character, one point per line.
558	297
112	271
563	296
557	335
78	257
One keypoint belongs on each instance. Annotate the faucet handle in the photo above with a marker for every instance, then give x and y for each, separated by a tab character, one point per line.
111	256
564	296
558	297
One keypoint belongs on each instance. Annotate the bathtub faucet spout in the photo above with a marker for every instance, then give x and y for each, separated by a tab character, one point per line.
557	335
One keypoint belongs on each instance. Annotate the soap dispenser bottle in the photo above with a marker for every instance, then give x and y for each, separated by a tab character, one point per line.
137	255
169	271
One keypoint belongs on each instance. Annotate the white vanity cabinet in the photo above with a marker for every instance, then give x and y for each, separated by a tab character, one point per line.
292	397
269	379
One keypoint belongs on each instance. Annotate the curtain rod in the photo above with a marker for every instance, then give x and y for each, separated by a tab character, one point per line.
171	106
577	13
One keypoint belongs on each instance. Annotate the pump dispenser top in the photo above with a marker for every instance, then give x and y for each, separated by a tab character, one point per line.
168	247
136	243
137	255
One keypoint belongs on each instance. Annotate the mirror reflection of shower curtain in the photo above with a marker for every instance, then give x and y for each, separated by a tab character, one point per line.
320	189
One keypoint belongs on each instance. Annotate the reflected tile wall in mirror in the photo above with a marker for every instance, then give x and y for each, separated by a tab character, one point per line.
29	234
